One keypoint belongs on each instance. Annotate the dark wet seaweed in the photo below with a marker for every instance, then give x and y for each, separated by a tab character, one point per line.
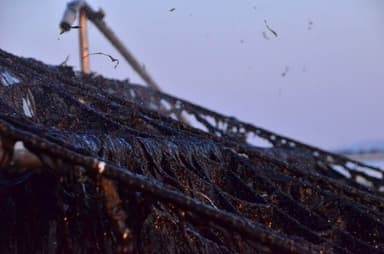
122	173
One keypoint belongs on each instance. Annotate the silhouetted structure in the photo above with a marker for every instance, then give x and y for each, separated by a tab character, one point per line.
120	173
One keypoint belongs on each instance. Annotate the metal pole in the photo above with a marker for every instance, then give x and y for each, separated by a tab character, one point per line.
96	18
84	49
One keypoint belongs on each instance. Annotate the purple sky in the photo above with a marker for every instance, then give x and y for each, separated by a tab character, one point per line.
213	53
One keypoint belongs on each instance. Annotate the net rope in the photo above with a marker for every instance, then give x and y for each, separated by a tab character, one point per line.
130	169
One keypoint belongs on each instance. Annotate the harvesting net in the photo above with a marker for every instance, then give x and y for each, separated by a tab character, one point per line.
126	169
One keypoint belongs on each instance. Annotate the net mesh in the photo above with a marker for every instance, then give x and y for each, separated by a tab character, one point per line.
126	169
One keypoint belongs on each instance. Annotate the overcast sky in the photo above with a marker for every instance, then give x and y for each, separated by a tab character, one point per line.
319	81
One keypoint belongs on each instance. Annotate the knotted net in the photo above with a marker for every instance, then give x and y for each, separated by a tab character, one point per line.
126	169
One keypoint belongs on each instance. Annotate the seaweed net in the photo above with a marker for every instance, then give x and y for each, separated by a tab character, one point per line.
126	169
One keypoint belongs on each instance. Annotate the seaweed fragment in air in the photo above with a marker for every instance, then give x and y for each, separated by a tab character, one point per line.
113	60
270	29
121	173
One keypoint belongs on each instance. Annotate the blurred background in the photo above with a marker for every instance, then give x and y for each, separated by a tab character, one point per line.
318	77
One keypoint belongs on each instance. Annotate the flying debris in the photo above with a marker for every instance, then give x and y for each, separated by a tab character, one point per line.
310	25
173	9
285	72
270	29
114	60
